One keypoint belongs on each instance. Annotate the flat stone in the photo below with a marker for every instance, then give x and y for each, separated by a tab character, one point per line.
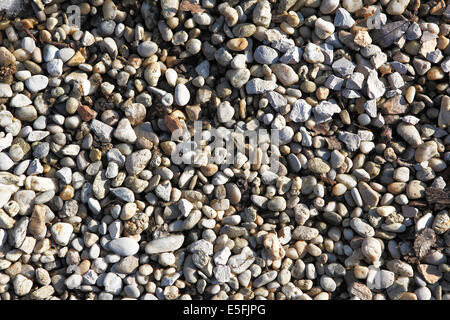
124	246
167	244
36	83
285	74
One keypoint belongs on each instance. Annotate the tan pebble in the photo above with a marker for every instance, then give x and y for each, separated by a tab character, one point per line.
410	94
237	44
77	59
408	296
416	189
396	187
360	272
435	73
442	43
67	193
430	273
385	211
84	266
209	170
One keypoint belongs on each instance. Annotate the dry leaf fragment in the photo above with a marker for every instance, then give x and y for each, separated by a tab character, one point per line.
424	242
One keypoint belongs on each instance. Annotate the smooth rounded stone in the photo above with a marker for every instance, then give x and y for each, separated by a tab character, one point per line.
362	228
18	233
327	283
127	265
36	83
304	233
264	279
166	244
425	151
328	6
371	249
317	165
262	14
233	193
65	54
435	257
124	194
171	77
265	55
225	112
397	7
285	74
352	5
409	133
147	48
182	95
400	267
73	282
124	246
62	232
423	293
28	44
323	29
21	285
50	52
55	67
238	78
5	91
112	283
401	174
380	279
19	101
415	189
276	204
110	46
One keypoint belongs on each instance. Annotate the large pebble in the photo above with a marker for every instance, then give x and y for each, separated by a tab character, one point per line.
124	246
166	244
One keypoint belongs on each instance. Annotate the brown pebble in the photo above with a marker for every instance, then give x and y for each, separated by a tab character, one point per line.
237	44
86	113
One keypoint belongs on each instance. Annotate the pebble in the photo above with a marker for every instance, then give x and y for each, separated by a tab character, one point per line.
320	214
182	95
124	246
166	244
36	83
323	29
285	74
225	112
61	233
147	49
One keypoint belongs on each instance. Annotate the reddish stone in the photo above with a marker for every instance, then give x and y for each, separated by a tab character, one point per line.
86	113
394	105
172	123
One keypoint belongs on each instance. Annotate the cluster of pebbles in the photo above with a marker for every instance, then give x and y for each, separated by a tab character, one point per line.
93	207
